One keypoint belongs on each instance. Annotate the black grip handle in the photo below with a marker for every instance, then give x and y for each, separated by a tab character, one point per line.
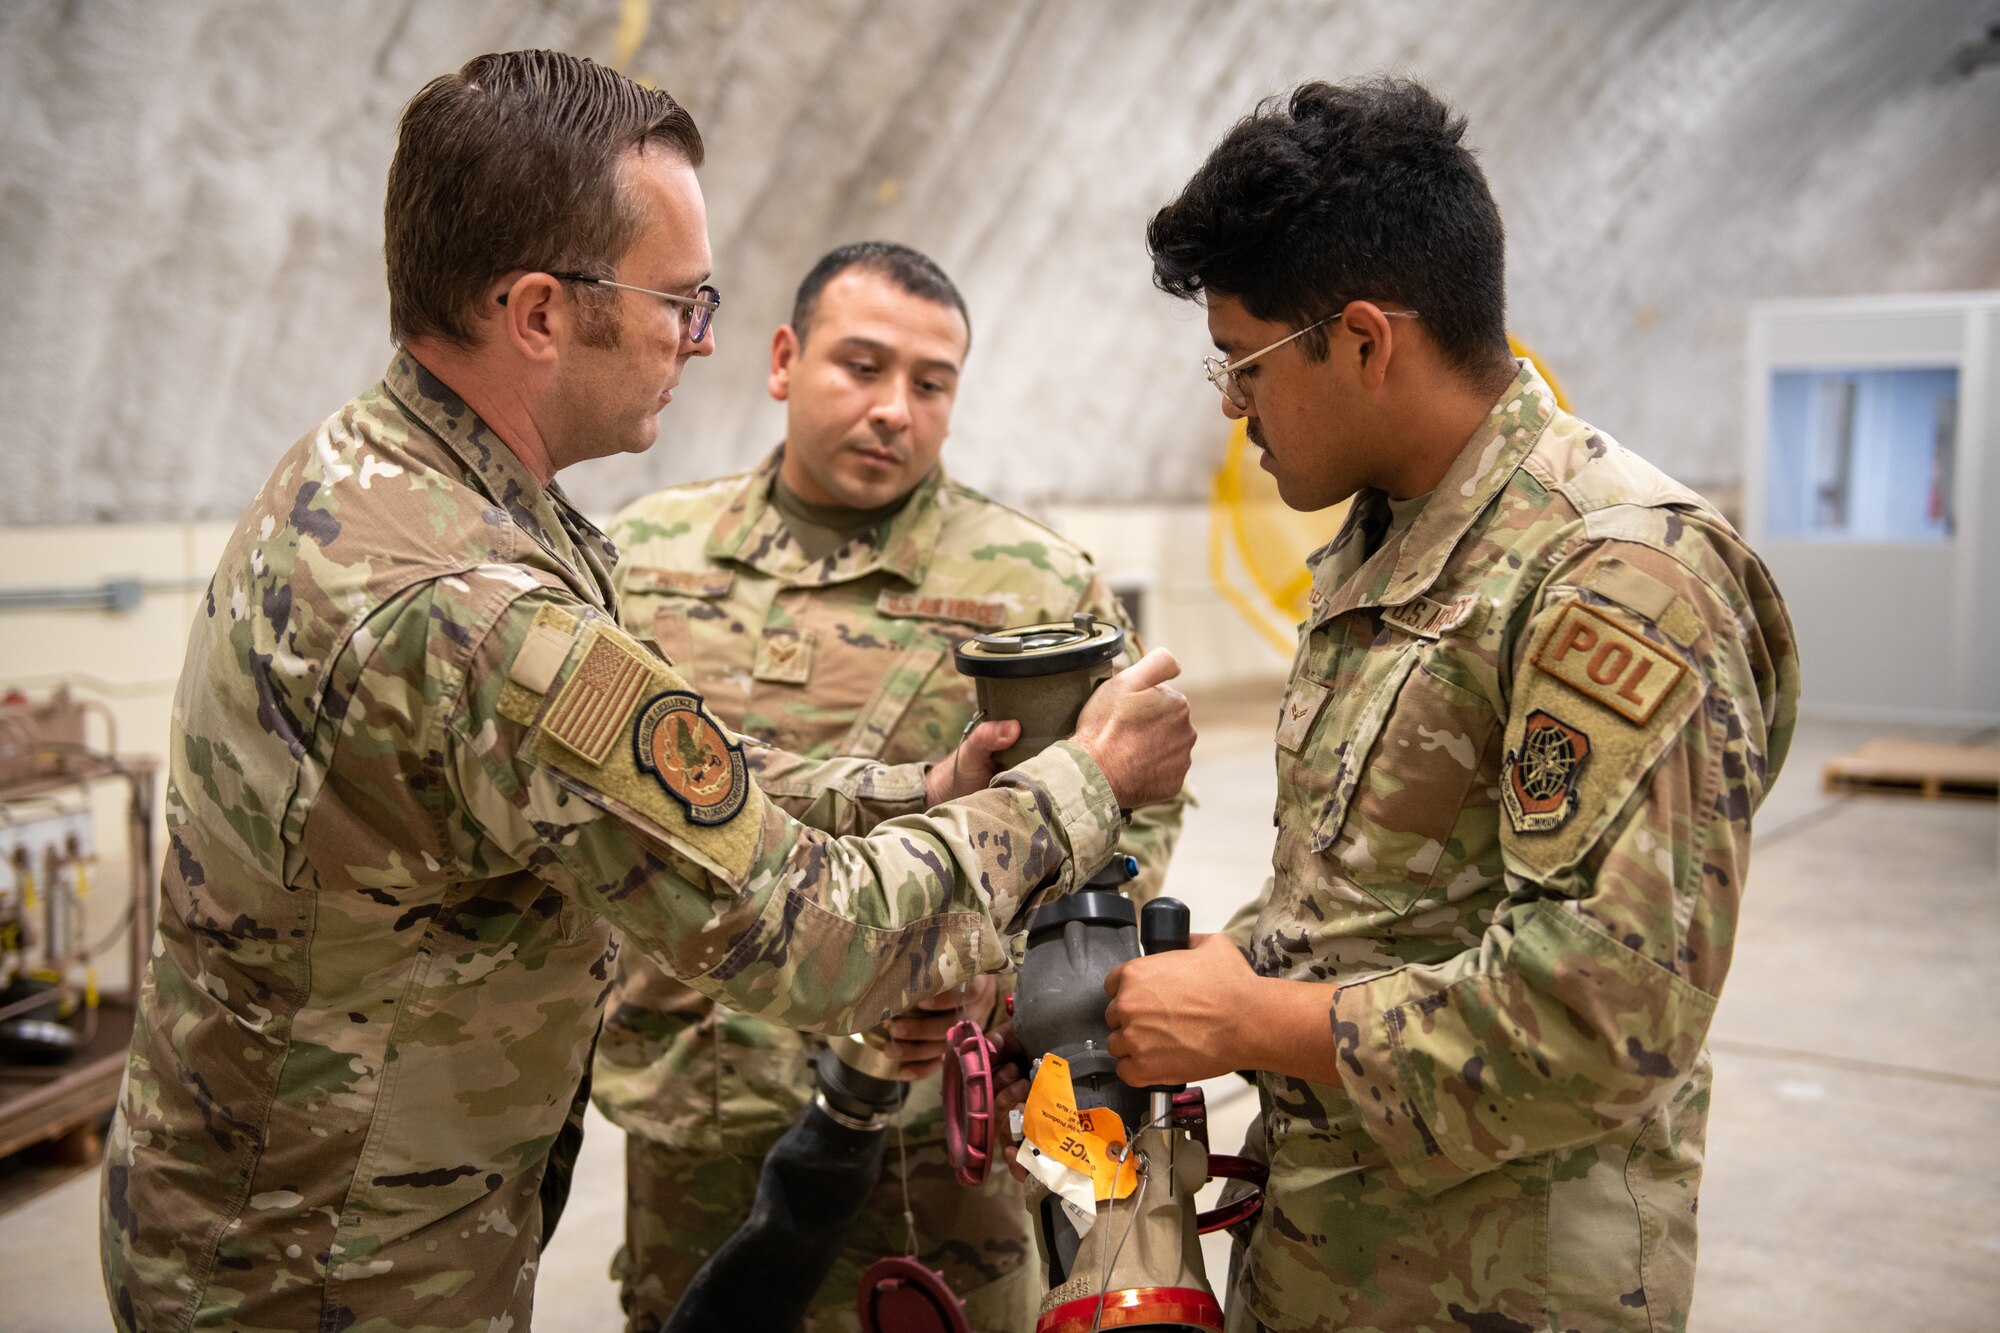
1163	925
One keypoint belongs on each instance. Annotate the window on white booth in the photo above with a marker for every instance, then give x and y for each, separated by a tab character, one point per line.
1862	454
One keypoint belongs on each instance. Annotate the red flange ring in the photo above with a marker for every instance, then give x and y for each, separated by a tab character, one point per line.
1190	1114
967	1091
900	1295
1221	1166
1186	1308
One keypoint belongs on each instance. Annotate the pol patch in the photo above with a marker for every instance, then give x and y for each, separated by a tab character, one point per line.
1540	787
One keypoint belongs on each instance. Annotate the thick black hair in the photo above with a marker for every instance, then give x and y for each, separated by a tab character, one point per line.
1342	192
912	270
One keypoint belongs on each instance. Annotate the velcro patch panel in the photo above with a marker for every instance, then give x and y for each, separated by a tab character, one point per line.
784	656
682	582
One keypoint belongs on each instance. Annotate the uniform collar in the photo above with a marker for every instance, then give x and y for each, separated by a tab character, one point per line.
1346	577
543	512
752	532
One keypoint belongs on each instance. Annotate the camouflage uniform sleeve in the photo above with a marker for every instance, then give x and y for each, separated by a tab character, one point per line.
1154	829
1647	710
841	795
583	758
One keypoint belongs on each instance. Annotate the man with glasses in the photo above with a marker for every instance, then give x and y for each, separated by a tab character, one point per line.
1539	692
419	775
815	601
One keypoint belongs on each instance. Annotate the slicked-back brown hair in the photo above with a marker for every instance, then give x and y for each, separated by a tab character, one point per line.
513	163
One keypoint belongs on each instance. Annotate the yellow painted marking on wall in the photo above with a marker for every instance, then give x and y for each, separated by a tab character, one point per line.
1270	541
1521	349
634	17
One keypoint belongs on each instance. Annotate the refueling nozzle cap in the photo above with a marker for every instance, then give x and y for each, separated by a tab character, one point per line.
1051	649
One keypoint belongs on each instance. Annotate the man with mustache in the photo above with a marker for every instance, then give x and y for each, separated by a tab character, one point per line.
421	783
815	601
1539	692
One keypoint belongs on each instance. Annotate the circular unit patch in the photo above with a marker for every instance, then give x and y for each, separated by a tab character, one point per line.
692	757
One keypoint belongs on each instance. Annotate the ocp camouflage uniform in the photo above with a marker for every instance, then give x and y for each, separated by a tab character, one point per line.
1517	762
849	655
418	776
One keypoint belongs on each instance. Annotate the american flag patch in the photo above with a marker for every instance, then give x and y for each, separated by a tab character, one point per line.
598	698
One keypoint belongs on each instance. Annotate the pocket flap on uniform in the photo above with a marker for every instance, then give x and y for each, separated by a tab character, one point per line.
879	717
1355	723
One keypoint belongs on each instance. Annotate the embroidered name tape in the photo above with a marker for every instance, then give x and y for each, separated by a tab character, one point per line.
685	582
1600	659
966	610
1428	619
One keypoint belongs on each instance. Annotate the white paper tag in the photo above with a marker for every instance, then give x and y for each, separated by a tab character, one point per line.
1076	1190
1078	1218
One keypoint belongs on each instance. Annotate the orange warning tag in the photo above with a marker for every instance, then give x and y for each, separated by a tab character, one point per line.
1085	1141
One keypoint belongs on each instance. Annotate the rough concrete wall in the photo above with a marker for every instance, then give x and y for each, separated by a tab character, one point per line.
190	203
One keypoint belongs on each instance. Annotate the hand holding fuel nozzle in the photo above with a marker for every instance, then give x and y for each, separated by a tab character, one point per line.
973	765
1134	726
917	1035
1172	1015
1035	686
1137	728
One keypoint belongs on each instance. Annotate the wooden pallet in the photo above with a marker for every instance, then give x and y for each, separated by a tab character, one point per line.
1928	769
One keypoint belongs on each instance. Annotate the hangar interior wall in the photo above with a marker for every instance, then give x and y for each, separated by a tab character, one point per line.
190	231
190	216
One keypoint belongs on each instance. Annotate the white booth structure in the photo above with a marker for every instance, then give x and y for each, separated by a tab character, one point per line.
1872	489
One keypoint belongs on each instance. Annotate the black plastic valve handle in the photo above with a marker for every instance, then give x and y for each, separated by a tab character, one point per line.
1163	925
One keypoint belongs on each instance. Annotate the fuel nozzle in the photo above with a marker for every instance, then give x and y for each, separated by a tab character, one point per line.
1137	1254
855	1081
1040	676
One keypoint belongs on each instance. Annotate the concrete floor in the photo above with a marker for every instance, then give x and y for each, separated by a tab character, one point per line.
1854	1172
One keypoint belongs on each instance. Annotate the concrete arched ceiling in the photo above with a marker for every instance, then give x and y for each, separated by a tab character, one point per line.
190	204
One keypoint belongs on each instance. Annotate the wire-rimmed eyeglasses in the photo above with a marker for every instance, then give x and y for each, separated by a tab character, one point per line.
697	311
1222	374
